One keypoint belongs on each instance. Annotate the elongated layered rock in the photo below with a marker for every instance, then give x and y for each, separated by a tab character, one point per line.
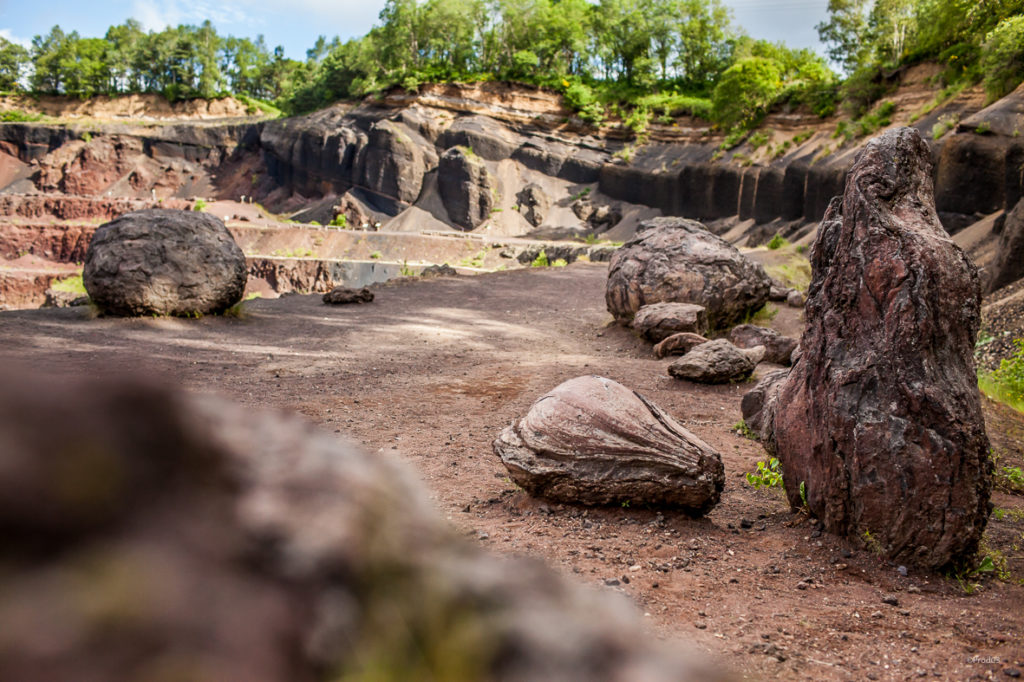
880	417
148	532
659	321
678	344
679	260
717	362
594	441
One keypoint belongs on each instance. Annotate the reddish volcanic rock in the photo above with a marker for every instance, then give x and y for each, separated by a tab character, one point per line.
880	417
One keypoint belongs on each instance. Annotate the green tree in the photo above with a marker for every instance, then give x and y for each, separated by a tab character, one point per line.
1003	57
746	90
13	62
845	33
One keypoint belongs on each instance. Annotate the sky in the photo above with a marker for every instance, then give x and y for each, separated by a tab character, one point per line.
295	24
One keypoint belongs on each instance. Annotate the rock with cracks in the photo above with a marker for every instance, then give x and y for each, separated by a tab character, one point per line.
880	417
594	441
164	262
467	188
759	404
237	544
678	344
778	348
659	321
345	295
717	362
679	260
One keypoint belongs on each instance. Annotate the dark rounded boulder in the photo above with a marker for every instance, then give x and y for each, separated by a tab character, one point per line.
880	419
164	262
593	441
679	260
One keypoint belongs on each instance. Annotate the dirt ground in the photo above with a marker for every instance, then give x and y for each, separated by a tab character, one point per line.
432	370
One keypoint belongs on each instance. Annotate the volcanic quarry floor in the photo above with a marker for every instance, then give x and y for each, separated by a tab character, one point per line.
434	369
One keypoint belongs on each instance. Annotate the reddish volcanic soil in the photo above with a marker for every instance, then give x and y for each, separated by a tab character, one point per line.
434	369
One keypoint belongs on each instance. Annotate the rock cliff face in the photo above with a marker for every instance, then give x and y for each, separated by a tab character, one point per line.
384	156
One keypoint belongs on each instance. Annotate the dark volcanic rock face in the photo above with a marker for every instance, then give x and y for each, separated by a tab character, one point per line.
594	441
880	417
148	533
678	260
466	187
395	160
164	262
1009	264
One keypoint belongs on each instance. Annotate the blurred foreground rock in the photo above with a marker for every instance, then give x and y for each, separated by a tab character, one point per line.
880	417
594	441
164	262
151	535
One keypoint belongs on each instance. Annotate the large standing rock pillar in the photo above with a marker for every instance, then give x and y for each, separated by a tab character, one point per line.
880	417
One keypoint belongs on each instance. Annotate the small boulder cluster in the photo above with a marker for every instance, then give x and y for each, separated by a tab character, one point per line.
675	284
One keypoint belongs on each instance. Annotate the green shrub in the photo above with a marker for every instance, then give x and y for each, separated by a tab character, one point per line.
340	220
746	90
776	242
1002	57
200	205
559	263
1006	384
672	104
18	116
582	100
541	261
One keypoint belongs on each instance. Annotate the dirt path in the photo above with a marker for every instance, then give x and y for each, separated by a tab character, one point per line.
433	370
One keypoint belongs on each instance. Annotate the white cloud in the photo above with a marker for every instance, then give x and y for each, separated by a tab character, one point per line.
6	34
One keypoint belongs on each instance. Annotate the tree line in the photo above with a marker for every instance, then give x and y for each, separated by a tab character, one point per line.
179	62
655	57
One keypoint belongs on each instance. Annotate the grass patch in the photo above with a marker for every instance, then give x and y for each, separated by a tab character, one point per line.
1006	384
70	285
541	261
474	261
670	104
795	273
19	116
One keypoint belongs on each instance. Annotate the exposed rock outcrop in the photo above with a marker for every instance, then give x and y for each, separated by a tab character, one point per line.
880	417
778	348
149	532
678	260
164	262
594	441
717	362
1009	262
467	188
659	321
533	203
395	160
